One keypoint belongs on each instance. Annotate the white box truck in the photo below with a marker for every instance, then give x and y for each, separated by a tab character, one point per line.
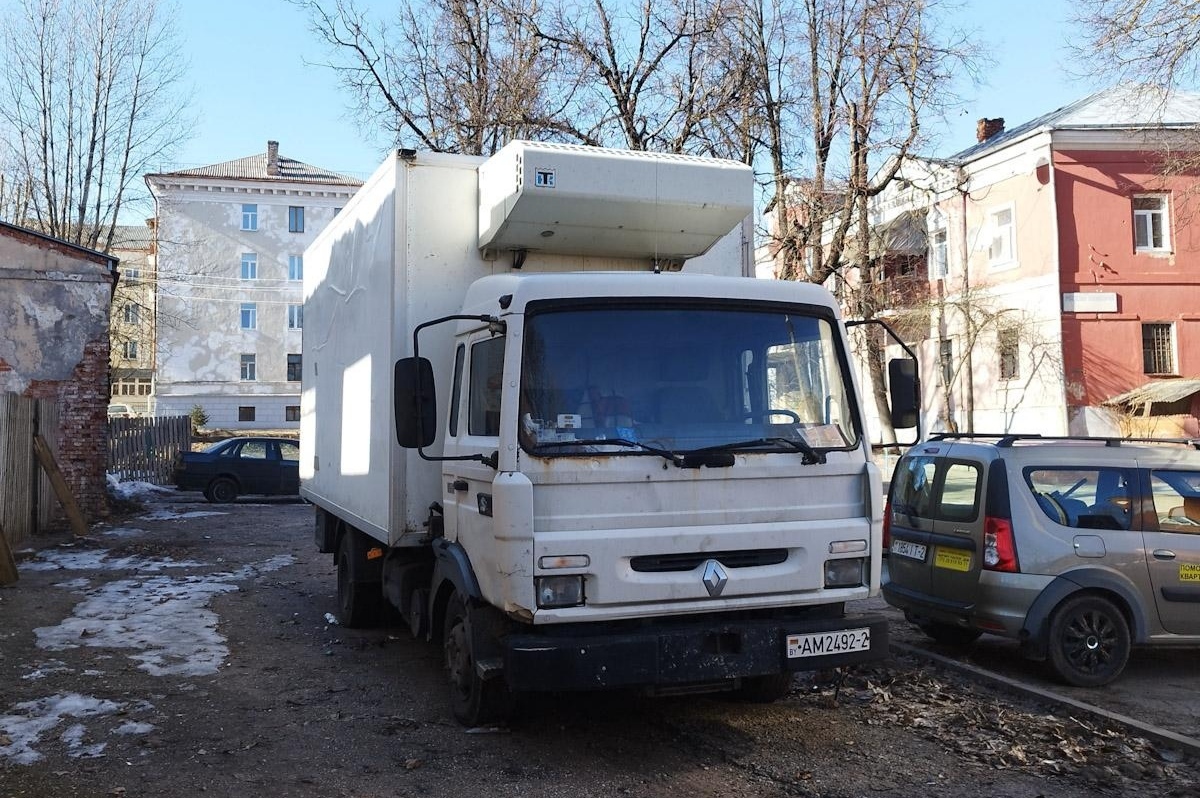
547	418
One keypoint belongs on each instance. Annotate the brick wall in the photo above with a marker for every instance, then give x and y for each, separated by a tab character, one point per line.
82	400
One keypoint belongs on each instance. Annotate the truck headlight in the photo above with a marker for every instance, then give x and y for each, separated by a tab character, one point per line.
559	591
844	573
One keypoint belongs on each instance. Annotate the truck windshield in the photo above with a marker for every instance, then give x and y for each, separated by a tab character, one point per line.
676	379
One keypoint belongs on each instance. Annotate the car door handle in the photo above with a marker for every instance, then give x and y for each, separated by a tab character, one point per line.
1163	554
460	484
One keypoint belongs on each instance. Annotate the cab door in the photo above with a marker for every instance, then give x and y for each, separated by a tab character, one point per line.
1173	549
468	483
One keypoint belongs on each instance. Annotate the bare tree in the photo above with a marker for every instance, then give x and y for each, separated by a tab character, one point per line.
1143	41
449	76
91	96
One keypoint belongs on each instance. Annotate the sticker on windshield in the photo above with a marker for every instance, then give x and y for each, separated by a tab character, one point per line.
824	435
1189	572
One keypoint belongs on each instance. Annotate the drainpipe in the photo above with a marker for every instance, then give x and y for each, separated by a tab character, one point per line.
969	399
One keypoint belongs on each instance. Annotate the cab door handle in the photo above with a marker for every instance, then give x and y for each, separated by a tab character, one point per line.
1163	554
462	484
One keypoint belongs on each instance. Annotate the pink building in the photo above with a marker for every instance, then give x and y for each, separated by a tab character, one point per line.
1063	262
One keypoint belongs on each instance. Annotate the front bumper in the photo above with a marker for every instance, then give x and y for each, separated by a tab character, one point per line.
678	653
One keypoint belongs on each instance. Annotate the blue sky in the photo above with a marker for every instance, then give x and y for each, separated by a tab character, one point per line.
252	83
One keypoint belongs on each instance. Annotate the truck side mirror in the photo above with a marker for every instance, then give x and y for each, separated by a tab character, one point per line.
414	394
904	392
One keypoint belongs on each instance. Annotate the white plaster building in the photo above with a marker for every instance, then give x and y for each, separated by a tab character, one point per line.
230	256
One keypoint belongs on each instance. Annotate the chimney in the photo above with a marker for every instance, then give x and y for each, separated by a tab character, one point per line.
986	128
273	156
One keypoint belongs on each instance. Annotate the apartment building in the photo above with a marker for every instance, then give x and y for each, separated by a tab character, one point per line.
229	243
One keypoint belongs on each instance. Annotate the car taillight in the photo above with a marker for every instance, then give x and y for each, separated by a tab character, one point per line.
887	525
999	548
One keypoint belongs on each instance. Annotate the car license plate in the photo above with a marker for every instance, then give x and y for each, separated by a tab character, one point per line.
823	644
951	559
906	548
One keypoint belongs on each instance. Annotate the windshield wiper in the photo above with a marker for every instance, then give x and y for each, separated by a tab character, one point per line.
666	454
811	455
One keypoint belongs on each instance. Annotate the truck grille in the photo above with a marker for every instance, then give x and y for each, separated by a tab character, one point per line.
751	558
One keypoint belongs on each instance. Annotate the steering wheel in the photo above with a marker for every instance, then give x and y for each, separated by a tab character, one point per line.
766	415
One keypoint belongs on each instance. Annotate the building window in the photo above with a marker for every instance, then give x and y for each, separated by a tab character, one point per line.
291	413
946	358
1150	228
293	368
295	317
246	413
1158	349
939	263
295	219
249	266
249	316
1001	249
133	314
129	350
249	216
249	368
132	276
1008	345
295	267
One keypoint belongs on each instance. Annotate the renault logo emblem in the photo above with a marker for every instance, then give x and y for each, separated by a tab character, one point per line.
714	578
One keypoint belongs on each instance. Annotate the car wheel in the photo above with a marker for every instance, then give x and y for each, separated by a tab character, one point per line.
765	689
1089	641
949	634
473	700
221	491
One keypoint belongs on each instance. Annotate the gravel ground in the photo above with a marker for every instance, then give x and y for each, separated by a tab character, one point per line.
190	649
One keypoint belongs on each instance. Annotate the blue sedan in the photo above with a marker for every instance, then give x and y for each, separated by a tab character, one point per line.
230	468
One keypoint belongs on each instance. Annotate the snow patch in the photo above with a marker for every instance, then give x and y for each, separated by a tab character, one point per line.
29	720
98	560
164	514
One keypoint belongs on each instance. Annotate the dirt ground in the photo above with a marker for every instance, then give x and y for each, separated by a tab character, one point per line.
191	649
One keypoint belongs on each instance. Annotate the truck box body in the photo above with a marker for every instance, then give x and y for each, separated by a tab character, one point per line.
646	468
403	251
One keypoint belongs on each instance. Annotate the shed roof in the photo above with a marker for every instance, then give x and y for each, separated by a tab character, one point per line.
1157	391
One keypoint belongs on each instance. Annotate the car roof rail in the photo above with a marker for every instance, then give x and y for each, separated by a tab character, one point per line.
1007	439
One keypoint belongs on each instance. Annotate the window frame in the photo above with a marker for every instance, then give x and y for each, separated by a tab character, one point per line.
1172	346
250	217
249	367
249	316
294	366
1005	234
129	350
295	318
290	413
1163	214
132	314
246	413
939	253
249	268
295	268
295	218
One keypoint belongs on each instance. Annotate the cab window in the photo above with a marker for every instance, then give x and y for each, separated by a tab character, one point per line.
1083	498
487	381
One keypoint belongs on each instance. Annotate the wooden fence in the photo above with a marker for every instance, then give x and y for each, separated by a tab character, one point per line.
27	502
144	449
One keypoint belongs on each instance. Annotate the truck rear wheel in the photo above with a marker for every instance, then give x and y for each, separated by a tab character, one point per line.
360	604
474	701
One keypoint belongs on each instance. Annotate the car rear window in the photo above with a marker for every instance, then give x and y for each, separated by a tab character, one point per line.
937	489
1176	500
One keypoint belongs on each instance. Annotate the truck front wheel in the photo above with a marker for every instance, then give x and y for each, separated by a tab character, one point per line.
474	701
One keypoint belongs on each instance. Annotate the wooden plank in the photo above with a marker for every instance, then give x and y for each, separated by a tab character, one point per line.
8	565
65	497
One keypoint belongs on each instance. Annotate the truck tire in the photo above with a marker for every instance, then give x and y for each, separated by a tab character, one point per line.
1088	641
360	604
474	701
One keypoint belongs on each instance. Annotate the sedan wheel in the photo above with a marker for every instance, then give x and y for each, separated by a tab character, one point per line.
221	491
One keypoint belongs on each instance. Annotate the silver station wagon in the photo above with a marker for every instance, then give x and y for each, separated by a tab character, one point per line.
1081	548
